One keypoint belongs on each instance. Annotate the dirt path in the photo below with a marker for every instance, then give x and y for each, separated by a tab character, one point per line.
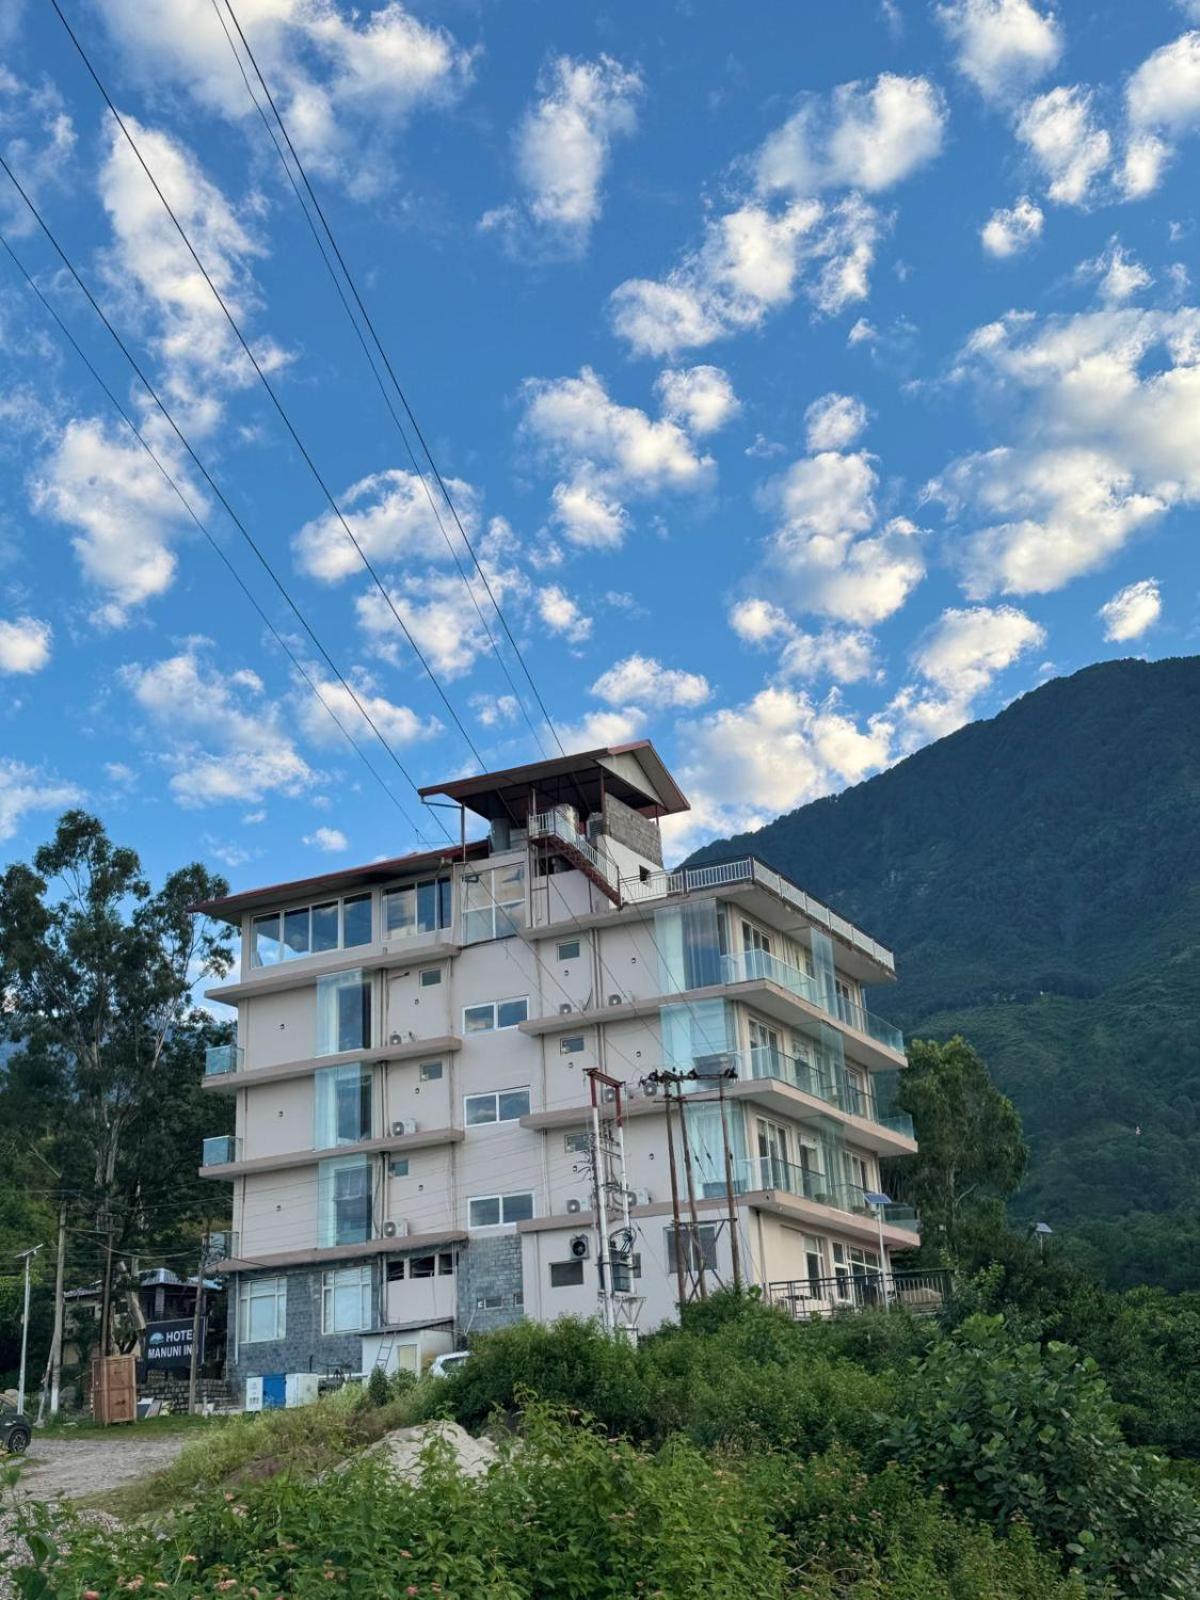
67	1469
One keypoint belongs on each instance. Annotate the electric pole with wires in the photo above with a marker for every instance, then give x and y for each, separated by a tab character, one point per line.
619	1306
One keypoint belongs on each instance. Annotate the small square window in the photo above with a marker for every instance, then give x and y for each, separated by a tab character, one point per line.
422	1267
566	1274
513	1104
478	1019
577	1144
430	977
489	1302
571	1045
395	1271
510	1012
430	1071
445	1264
569	950
398	1167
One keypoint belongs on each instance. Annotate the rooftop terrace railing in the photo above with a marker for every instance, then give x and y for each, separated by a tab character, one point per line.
861	1289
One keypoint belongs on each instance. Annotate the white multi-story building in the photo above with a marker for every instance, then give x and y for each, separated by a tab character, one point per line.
415	1036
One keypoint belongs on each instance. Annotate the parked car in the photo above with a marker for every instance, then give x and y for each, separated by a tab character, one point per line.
16	1430
443	1366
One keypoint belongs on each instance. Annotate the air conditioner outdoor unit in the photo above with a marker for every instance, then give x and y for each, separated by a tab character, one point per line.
395	1230
609	1094
579	1246
565	1009
574	1206
614	1000
404	1126
641	1197
394	1038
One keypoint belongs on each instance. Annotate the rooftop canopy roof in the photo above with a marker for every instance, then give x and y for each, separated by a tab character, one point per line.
634	773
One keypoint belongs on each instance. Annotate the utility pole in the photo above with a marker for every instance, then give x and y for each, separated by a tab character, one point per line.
197	1323
105	1317
676	1225
26	1256
54	1364
696	1244
734	1246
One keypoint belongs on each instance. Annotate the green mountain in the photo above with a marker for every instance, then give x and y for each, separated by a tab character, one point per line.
1038	876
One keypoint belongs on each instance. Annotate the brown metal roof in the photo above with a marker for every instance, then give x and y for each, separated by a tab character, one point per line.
231	907
634	773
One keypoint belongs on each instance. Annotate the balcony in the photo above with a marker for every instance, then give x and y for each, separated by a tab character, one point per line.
760	1061
721	875
220	1059
220	1150
768	1172
859	1289
560	826
747	966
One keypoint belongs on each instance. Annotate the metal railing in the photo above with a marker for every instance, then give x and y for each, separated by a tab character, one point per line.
861	1289
763	1061
221	1149
222	1058
751	870
753	1173
560	824
743	966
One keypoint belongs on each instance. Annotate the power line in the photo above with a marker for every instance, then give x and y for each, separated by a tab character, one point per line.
358	300
266	383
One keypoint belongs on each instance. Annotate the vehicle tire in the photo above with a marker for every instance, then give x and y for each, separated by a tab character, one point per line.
18	1440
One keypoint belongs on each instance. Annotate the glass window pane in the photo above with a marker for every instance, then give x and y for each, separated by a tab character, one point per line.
477	925
399	912
295	933
518	1207
569	950
480	1108
430	1070
514	1103
356	920
265	946
325	927
484	1213
422	1267
510	1012
427	906
478	1019
444	903
431	977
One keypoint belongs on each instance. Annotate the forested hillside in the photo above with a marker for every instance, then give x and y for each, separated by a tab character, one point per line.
1038	876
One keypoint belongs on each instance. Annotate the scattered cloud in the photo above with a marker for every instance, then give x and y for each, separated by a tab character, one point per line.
24	789
39	142
24	645
964	650
563	148
700	399
640	680
1061	131
845	655
562	615
1009	232
834	422
495	710
398	724
1117	274
391	516
1002	46
332	840
859	137
599	728
1162	104
1132	610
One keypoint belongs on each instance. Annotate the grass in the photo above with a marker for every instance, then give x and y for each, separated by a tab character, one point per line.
153	1427
249	1449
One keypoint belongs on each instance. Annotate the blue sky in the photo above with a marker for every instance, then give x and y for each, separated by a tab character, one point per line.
810	379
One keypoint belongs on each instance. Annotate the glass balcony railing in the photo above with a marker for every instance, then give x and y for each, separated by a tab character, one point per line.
220	1150
761	1061
747	965
222	1058
769	1172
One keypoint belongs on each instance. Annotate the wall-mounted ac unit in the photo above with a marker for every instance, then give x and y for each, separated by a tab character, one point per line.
565	1009
579	1246
615	1000
574	1206
403	1126
609	1094
395	1230
394	1038
641	1197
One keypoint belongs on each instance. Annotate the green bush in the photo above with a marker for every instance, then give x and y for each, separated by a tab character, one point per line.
378	1391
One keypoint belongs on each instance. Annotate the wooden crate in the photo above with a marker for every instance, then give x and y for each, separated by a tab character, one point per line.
114	1388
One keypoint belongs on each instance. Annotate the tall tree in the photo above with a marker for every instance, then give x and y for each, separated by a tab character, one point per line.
97	971
972	1152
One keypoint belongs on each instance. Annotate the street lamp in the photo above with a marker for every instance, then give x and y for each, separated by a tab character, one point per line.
26	1256
879	1201
1042	1231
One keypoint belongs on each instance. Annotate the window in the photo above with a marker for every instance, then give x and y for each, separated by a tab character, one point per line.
310	930
262	1310
505	1106
417	909
341	1106
772	1151
569	950
565	1274
571	1045
489	1302
430	1071
346	1300
494	903
344	1201
431	977
440	1264
577	1143
493	1014
343	1013
398	1167
814	1263
499	1210
699	1245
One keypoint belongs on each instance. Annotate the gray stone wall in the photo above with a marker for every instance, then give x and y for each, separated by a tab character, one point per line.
630	828
489	1270
304	1348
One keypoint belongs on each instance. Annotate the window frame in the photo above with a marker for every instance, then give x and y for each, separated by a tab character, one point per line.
570	944
332	984
253	1289
430	977
567	1044
501	1202
574	1266
707	1246
431	1071
496	1026
329	1298
442	884
496	917
495	1096
285	953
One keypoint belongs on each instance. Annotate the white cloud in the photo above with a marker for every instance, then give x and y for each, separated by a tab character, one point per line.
599	728
1008	232
700	399
102	484
1069	145
437	610
834	422
1002	46
640	680
1118	275
221	737
24	788
846	655
758	620
495	710
39	142
965	649
332	840
398	724
563	146
392	519
1132	610
24	645
1162	102
562	615
781	237
346	82
861	137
